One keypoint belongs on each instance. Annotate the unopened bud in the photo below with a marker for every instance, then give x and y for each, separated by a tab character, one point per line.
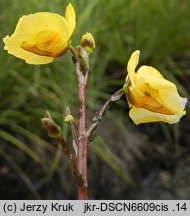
53	130
88	42
69	118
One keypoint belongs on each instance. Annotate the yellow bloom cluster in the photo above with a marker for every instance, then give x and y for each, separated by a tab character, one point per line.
41	37
151	97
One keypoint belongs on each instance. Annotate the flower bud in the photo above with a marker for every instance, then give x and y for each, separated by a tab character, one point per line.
53	130
88	42
69	118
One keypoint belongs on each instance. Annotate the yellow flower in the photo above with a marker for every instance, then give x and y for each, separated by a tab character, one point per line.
151	97
41	37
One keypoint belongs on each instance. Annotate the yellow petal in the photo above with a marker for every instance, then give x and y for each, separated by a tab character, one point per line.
132	64
45	43
148	74
70	16
148	101
13	47
141	115
167	92
42	21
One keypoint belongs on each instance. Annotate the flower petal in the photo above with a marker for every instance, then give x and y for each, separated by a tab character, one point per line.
168	95
42	21
13	47
141	115
70	16
132	64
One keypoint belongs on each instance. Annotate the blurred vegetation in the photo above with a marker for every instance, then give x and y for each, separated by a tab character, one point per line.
35	164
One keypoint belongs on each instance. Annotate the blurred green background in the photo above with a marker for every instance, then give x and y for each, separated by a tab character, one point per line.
126	161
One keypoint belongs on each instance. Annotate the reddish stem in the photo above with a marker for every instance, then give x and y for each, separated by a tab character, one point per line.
82	148
82	154
83	133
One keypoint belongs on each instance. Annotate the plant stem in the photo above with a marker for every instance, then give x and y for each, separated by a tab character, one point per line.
72	163
96	120
82	152
82	143
83	134
53	130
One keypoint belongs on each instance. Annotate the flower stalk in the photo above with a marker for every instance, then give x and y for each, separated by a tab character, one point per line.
96	119
82	144
78	178
84	134
54	131
82	71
